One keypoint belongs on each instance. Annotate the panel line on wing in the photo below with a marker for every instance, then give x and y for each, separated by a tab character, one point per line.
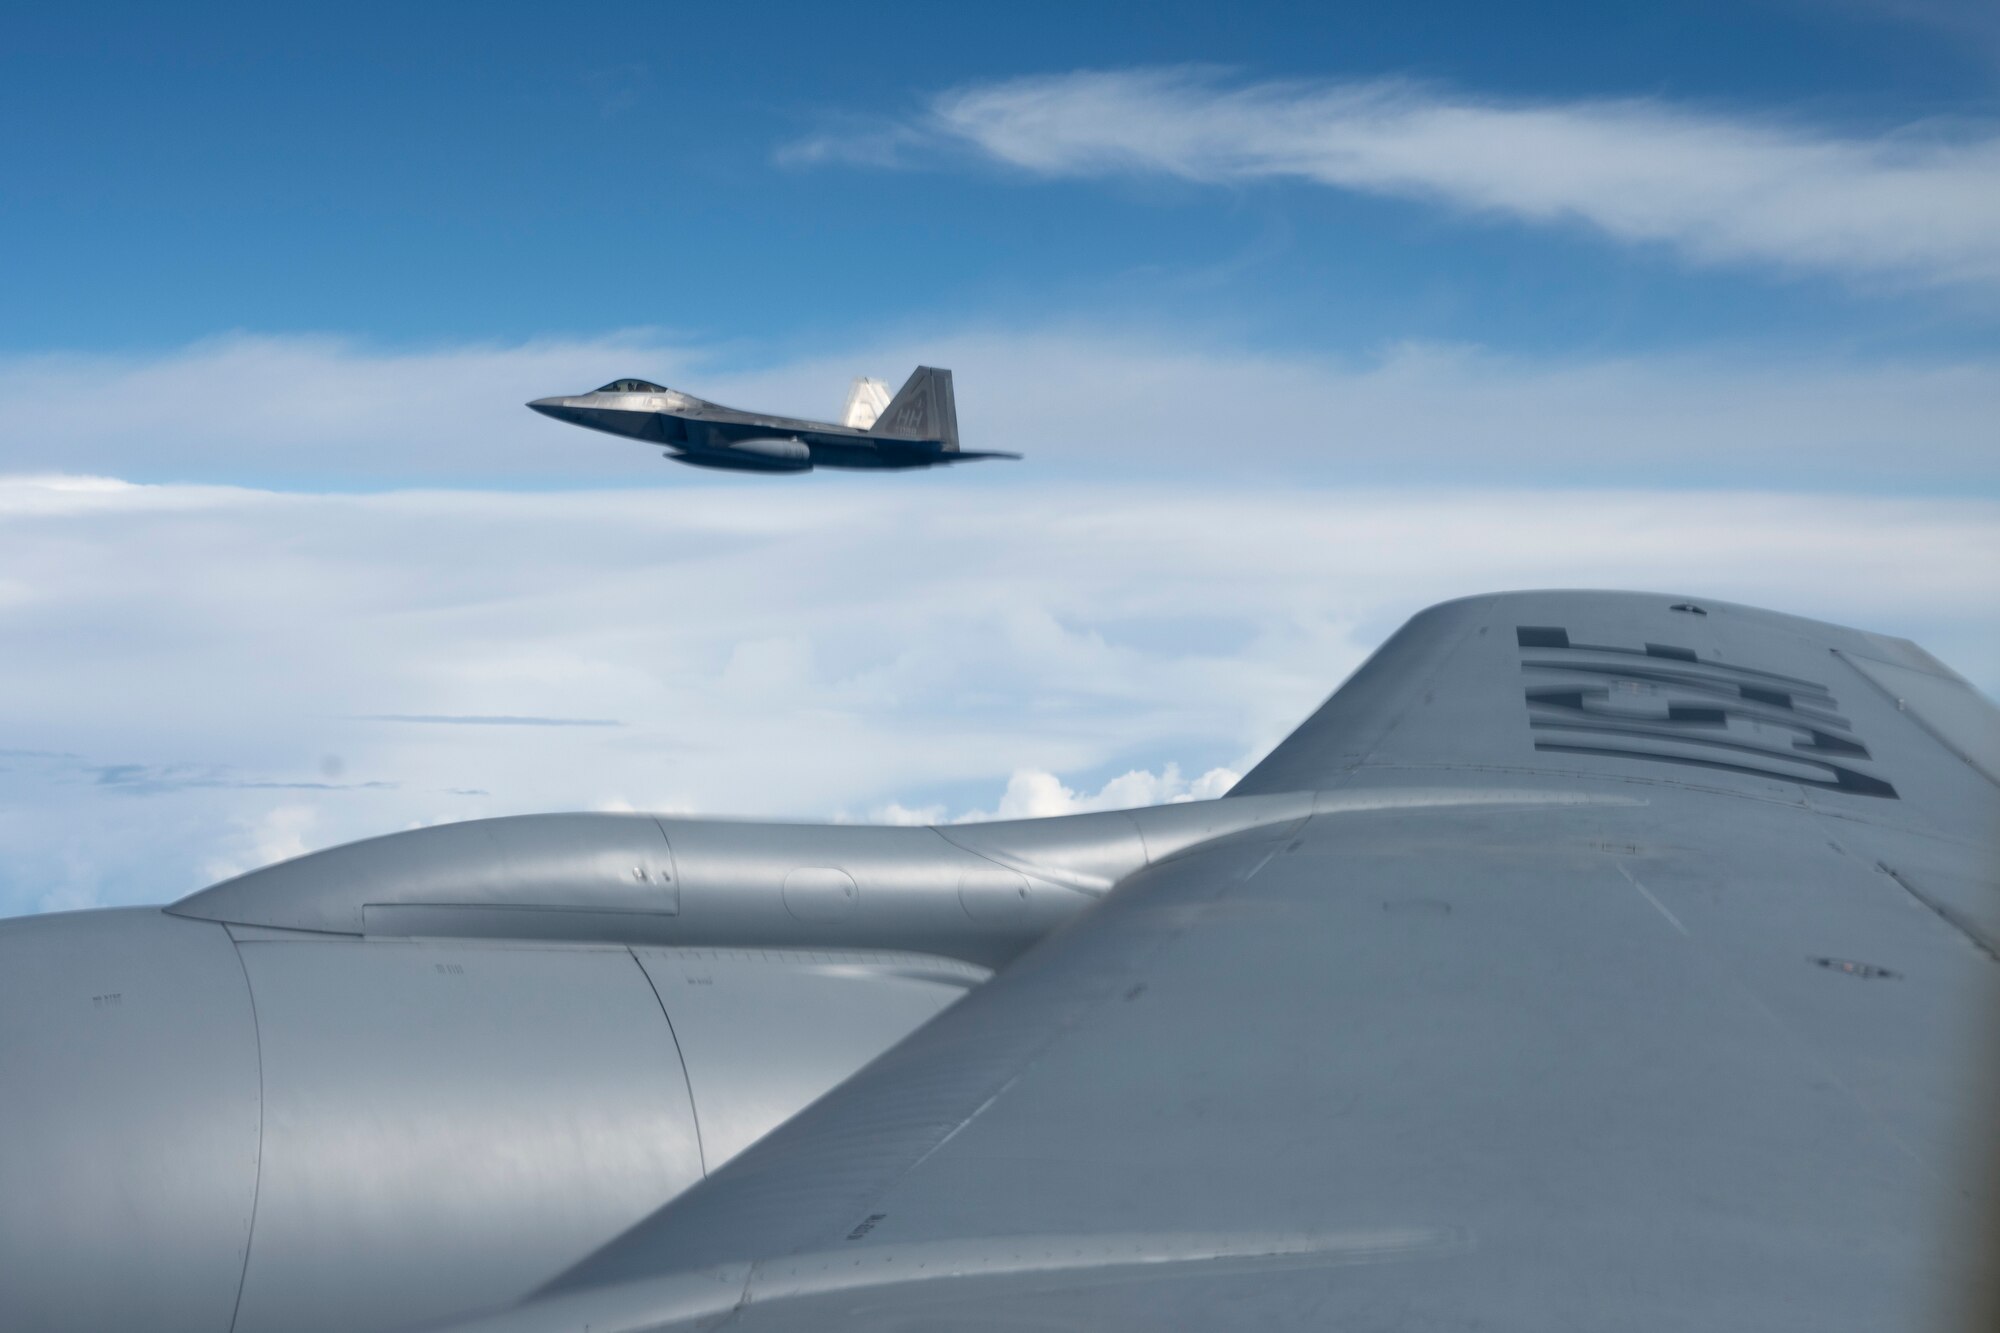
1647	893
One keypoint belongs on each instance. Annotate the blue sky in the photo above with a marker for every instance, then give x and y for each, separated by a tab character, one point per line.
412	173
1306	317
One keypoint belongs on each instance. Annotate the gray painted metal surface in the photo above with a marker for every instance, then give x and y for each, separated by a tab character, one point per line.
764	1032
559	864
416	1127
1644	1033
417	1090
1588	960
978	893
918	428
129	1116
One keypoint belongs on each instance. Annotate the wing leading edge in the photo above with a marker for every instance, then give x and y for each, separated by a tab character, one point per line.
1662	1023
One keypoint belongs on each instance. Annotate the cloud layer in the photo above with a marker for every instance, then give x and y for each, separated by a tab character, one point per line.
198	679
1919	204
1078	400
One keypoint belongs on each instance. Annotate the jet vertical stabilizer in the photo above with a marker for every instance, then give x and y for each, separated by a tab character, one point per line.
865	400
923	409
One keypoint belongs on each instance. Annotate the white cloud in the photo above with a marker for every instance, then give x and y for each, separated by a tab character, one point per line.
1079	400
895	812
192	680
275	833
315	407
1032	793
1921	203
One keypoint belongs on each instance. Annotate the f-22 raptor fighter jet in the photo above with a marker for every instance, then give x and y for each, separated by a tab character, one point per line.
917	428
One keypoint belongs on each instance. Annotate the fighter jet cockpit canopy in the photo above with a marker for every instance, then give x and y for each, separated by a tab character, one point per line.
633	386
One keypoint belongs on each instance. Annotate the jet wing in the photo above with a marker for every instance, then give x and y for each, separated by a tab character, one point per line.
1629	972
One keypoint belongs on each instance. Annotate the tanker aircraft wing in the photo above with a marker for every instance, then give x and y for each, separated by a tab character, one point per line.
1616	962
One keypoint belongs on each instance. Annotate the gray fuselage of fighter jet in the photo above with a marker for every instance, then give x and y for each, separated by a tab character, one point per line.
918	428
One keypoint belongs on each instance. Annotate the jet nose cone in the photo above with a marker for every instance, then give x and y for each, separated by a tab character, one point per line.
552	407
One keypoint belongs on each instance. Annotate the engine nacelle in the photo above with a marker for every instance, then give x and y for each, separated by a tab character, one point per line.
209	1127
420	1075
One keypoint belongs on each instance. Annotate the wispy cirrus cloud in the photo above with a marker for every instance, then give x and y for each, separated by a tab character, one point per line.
1918	204
487	720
